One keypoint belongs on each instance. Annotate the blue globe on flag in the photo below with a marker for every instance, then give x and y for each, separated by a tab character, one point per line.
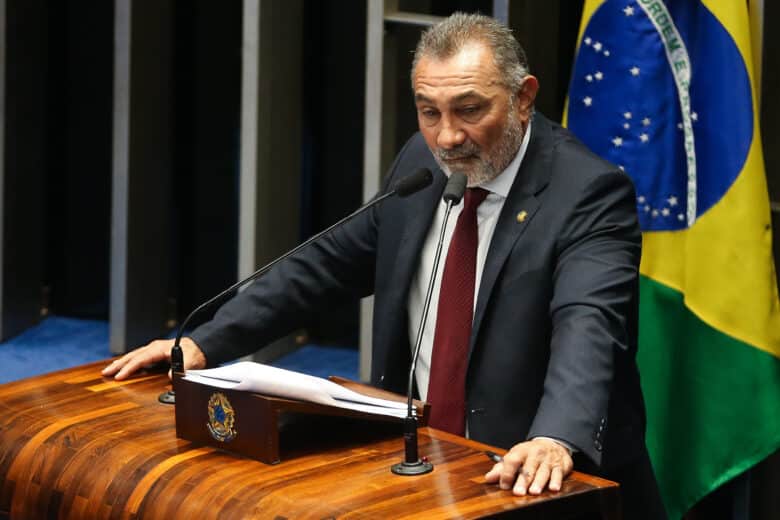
640	97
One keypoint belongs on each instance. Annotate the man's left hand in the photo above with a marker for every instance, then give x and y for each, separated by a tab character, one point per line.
532	466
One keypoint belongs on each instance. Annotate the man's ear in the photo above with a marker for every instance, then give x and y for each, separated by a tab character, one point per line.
525	97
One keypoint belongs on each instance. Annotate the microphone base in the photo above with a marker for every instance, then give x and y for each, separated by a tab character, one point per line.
168	397
412	468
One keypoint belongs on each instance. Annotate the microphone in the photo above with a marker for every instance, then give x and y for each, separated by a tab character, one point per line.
403	188
412	465
422	178
455	188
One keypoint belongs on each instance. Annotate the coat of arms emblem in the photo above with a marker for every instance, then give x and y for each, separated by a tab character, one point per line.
222	418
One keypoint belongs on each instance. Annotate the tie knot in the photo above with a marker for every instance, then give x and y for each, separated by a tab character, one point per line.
473	198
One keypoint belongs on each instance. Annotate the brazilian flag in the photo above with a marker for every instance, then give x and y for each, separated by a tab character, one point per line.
666	91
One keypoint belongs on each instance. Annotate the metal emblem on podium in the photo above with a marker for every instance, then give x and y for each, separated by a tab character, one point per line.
222	418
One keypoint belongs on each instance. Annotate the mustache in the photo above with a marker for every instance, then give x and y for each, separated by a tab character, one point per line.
465	150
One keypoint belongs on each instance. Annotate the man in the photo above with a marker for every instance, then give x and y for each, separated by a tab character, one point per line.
532	336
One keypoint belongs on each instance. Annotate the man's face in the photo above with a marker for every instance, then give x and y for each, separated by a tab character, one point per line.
471	122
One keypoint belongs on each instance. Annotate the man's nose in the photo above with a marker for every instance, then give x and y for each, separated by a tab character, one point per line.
450	136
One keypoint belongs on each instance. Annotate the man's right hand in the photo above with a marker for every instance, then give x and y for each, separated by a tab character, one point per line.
154	352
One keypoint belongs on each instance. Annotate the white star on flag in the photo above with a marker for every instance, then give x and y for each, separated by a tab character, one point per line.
634	71
665	212
597	46
626	126
617	141
646	121
588	101
587	40
627	115
589	78
629	11
680	217
641	199
694	116
606	53
654	213
647	208
644	137
598	75
672	201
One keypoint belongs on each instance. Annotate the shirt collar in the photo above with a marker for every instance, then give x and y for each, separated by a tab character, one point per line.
502	183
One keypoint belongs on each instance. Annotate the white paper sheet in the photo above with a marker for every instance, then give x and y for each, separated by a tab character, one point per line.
264	379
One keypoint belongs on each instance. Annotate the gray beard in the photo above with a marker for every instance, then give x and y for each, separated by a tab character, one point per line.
485	169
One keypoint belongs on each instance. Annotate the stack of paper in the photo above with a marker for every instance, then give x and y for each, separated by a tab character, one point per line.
277	382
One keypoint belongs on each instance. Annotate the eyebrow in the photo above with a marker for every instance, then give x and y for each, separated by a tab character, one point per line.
460	97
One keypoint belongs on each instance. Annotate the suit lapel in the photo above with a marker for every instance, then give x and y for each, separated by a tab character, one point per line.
516	215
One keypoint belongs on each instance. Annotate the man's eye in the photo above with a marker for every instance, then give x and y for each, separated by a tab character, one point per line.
470	110
429	116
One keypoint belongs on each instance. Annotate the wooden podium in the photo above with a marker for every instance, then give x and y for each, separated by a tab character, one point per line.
76	445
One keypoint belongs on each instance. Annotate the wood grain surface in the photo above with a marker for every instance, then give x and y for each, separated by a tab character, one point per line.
76	445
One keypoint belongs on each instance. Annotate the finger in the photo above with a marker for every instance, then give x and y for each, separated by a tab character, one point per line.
514	462
521	481
556	479
139	359
493	475
117	364
526	476
132	365
111	368
540	479
568	465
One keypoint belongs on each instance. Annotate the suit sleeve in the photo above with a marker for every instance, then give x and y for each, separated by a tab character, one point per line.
593	312
329	271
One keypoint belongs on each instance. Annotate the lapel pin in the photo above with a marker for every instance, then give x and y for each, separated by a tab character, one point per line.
522	216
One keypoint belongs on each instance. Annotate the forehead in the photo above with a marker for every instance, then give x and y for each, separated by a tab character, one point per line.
471	68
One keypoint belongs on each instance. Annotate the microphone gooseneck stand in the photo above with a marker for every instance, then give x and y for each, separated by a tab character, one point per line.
412	464
406	186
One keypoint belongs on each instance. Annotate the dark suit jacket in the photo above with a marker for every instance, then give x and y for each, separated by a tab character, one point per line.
554	335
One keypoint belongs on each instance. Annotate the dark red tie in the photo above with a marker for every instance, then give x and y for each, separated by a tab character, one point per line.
447	383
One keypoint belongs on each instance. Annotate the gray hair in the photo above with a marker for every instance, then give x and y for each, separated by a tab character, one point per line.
448	37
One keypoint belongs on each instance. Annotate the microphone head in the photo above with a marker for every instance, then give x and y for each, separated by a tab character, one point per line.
455	188
420	179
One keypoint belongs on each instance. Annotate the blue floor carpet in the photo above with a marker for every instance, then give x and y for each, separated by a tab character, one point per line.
58	343
322	361
54	344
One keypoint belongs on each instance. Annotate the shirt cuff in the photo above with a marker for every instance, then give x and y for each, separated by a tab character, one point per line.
563	443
